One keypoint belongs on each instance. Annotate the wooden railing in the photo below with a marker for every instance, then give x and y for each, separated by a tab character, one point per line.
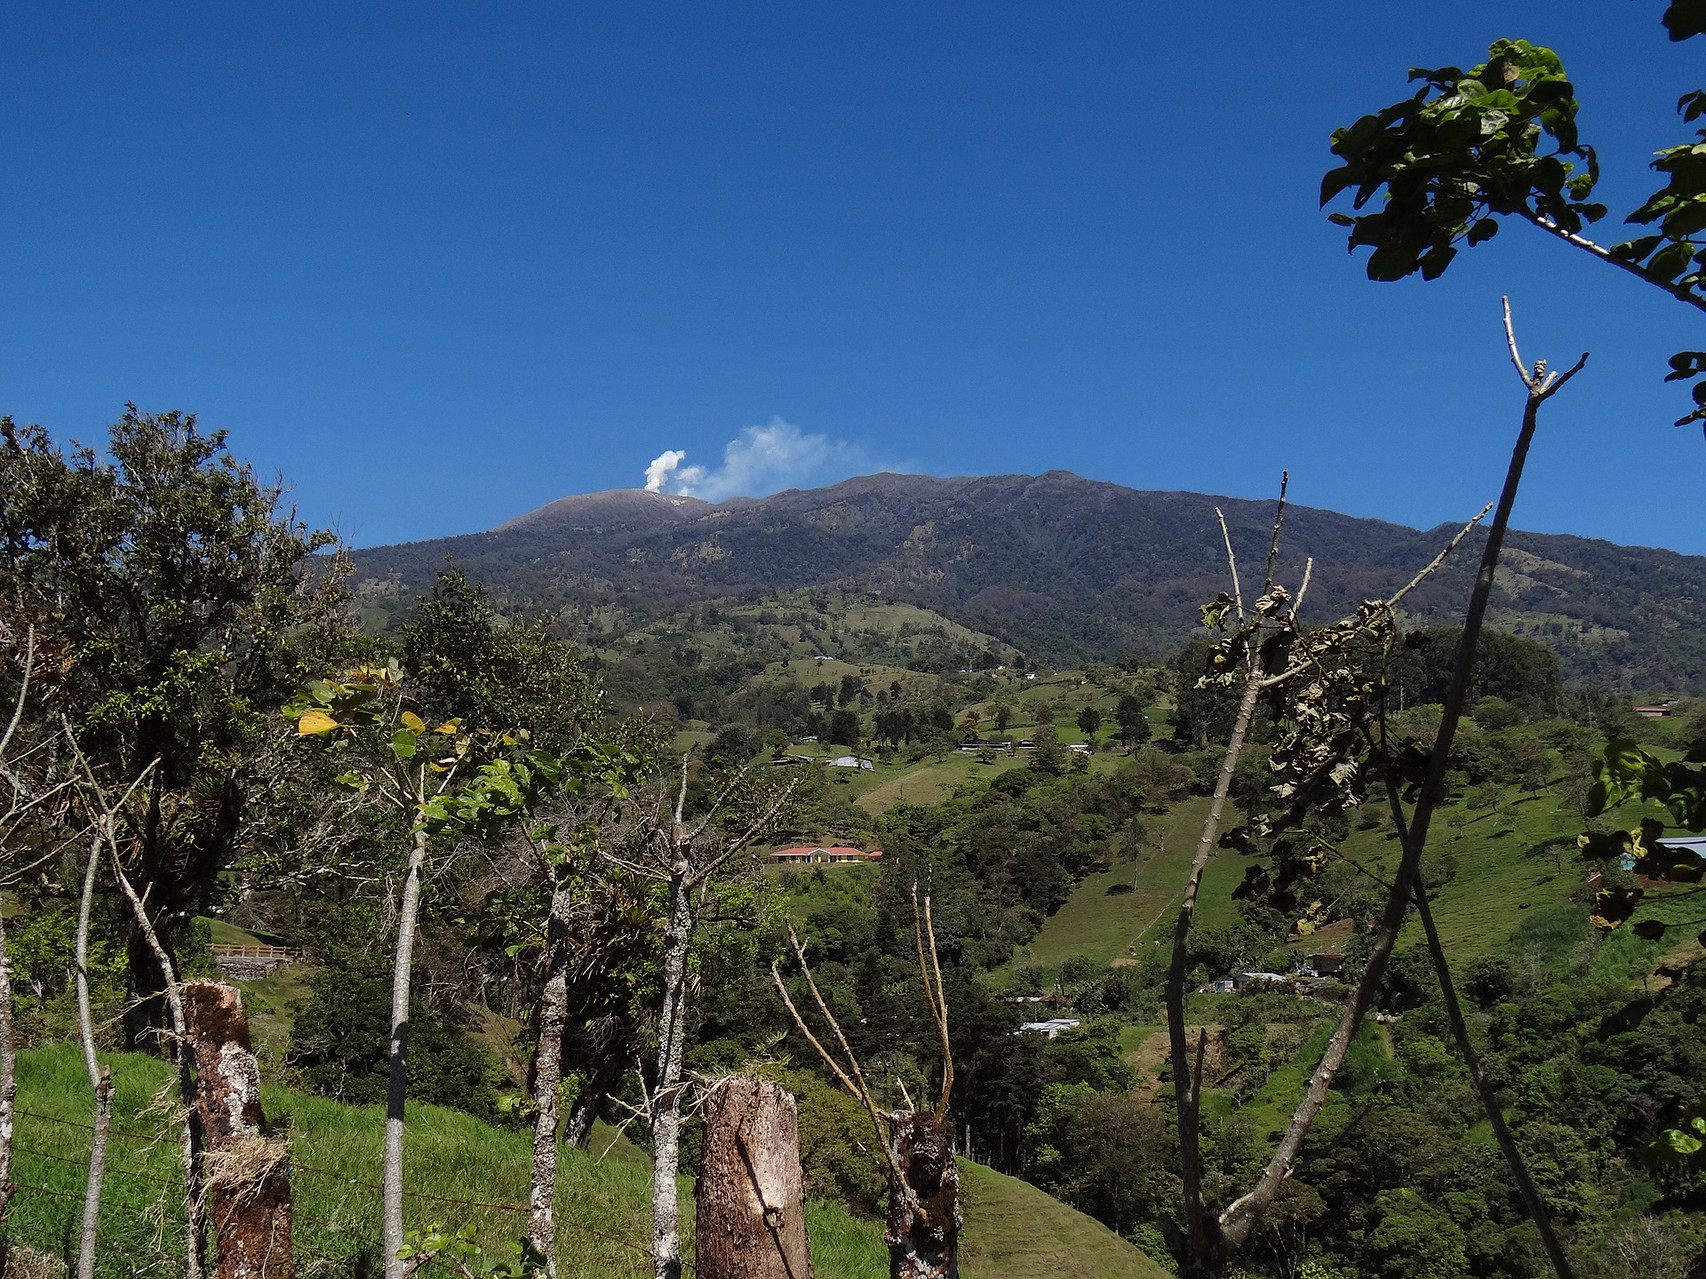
258	952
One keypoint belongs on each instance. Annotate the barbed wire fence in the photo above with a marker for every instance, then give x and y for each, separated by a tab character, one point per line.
335	1224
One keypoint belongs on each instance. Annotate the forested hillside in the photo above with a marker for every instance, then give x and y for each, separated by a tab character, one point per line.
1063	568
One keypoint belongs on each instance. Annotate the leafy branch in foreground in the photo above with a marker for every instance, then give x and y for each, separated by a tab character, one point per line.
447	781
1470	148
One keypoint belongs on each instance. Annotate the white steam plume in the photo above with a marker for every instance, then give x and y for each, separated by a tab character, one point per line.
662	470
760	460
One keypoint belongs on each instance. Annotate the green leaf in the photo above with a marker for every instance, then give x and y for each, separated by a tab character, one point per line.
1687	219
1335	181
1390	262
1636	250
1672	260
404	744
1681	1142
1685	18
1435	260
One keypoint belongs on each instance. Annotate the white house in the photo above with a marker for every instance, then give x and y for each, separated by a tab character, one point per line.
1052	1027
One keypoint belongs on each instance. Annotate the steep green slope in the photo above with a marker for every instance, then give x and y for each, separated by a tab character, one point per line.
458	1170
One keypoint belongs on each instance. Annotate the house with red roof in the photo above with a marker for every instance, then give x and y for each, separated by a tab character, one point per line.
821	856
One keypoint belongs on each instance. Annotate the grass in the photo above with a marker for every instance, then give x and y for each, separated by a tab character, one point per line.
1109	926
1501	872
927	782
1012	1230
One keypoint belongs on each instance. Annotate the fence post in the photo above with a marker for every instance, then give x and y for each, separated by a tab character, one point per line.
248	1172
750	1201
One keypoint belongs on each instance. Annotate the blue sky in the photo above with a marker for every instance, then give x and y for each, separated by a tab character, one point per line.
440	264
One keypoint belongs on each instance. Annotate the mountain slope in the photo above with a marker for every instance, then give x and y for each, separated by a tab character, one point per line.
1060	566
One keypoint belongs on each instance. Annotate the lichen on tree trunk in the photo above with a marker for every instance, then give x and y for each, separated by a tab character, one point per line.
546	1085
248	1181
750	1200
924	1212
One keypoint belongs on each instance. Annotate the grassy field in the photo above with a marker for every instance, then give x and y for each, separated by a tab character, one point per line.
1108	926
927	782
1012	1230
1501	862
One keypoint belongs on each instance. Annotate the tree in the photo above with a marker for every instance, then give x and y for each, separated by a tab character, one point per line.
684	860
185	604
1203	708
1317	769
464	660
1133	723
1469	150
592	922
1048	756
1090	723
448	781
1331	744
844	728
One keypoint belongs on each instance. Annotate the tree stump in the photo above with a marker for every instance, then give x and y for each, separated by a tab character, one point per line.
248	1172
924	1210
750	1202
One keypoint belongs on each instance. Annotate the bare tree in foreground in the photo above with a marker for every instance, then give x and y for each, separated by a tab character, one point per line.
31	789
923	1235
750	1200
685	859
1330	751
1540	385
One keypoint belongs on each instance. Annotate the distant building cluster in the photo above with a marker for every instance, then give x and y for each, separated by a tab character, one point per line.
1304	981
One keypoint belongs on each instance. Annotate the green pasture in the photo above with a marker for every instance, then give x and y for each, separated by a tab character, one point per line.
457	1170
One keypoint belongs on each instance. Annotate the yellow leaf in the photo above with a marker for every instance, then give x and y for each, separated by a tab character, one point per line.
315	722
413	722
449	727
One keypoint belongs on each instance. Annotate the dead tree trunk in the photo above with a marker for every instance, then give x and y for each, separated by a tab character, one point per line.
924	1214
248	1181
750	1201
923	1234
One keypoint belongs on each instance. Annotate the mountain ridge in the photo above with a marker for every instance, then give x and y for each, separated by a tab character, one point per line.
1060	566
